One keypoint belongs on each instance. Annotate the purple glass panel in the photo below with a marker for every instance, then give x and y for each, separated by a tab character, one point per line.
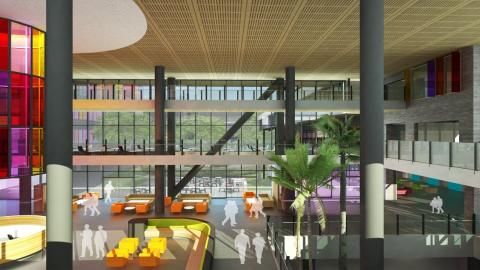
3	98
9	189
20	152
431	78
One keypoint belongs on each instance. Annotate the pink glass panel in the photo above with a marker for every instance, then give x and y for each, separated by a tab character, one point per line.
21	46
20	99
9	189
20	152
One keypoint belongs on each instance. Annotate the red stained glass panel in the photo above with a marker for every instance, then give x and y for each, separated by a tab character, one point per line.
3	44
20	102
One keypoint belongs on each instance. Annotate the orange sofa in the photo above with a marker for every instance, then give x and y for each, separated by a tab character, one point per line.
248	194
117	208
167	201
142	208
201	207
176	207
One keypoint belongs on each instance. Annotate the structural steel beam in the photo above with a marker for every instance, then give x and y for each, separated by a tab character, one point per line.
223	140
159	138
171	137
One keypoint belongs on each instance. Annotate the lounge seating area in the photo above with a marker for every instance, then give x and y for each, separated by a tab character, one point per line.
158	231
127	247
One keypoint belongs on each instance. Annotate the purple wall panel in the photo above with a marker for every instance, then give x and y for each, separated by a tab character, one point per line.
431	78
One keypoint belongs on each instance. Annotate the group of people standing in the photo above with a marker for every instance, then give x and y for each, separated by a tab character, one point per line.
89	238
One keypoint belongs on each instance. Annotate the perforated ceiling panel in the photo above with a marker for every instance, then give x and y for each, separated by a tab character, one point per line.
251	39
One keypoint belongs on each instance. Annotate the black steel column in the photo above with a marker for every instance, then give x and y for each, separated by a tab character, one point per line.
58	133
289	194
290	106
372	185
159	138
171	137
280	122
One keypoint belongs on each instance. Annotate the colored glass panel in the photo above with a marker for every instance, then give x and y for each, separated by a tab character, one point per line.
455	72
38	52
38	101
10	190
3	98
20	93
19	152
37	150
21	44
3	152
3	44
431	78
440	74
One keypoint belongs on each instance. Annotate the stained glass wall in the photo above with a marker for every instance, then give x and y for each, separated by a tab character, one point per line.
22	94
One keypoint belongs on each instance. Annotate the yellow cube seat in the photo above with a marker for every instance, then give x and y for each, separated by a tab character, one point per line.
118	252
129	244
158	244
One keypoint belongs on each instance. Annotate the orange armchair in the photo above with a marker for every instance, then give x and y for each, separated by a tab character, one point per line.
167	201
142	208
201	207
117	208
176	207
248	194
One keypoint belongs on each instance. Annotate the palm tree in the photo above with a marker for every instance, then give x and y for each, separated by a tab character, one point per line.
347	138
297	172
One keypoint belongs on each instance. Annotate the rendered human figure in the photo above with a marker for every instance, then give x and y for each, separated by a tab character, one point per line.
94	205
259	243
86	235
108	192
257	207
231	209
440	205
86	204
433	204
241	242
99	240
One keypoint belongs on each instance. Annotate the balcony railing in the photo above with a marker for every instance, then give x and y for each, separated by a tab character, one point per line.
451	154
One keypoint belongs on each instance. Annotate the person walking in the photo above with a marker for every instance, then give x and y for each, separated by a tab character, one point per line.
440	205
241	242
108	192
86	235
259	243
231	210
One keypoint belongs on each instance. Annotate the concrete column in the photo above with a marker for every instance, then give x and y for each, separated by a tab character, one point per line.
171	136
58	133
159	138
372	138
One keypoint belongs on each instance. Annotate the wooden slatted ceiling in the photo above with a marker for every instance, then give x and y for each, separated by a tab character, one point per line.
257	39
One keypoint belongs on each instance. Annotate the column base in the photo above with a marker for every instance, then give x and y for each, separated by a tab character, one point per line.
59	255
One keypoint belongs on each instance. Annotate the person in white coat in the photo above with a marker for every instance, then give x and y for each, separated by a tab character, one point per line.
99	240
231	210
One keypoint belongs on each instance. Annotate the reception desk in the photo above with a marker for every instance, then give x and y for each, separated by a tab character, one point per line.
29	236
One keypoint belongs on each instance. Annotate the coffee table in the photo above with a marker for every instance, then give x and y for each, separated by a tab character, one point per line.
188	207
129	209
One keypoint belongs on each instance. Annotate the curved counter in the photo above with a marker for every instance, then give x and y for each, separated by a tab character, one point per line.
29	236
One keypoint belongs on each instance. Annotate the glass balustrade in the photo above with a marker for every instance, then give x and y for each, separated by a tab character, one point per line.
458	155
421	151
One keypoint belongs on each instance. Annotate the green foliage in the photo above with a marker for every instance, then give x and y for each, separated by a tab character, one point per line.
342	134
297	172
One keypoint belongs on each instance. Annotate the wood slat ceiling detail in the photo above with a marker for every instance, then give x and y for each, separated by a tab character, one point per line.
257	39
